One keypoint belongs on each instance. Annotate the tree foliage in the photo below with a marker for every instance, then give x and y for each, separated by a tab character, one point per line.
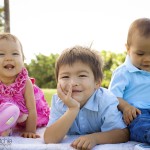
111	62
42	68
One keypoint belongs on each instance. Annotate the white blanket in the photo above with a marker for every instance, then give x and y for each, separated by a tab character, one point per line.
15	142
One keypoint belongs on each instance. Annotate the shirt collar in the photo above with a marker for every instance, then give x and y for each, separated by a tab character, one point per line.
131	68
92	103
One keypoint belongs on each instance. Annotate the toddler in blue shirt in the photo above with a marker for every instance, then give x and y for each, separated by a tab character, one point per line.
81	106
131	81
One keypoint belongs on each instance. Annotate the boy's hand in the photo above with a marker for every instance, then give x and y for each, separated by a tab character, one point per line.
130	113
30	135
66	98
86	142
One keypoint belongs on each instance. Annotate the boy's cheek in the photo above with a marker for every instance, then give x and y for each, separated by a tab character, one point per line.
63	86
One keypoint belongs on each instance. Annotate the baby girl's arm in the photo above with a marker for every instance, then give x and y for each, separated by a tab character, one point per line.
30	131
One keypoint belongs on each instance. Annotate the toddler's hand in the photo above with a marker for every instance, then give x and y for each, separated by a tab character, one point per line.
30	135
130	113
66	98
86	142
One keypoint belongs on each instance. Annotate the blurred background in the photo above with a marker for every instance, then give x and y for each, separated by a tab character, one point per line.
46	27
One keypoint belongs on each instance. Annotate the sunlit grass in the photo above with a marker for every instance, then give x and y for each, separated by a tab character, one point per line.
48	94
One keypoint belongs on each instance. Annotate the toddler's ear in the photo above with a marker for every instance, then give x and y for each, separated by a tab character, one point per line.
98	84
127	47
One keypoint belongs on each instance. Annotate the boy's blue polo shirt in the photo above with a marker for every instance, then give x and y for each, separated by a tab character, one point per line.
100	113
131	84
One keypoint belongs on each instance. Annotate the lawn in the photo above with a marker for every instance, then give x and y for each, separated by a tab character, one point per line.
48	94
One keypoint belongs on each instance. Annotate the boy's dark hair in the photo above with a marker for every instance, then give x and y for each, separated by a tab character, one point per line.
83	54
8	36
142	26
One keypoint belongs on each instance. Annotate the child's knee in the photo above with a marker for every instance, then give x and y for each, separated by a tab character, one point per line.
9	114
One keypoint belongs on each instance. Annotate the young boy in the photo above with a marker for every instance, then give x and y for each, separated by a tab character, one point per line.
131	81
82	107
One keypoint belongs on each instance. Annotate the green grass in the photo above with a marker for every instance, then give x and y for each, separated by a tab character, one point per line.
48	94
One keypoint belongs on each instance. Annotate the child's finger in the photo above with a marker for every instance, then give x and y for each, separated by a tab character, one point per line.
127	121
30	135
75	143
35	136
69	92
59	88
86	145
130	116
138	111
134	114
60	91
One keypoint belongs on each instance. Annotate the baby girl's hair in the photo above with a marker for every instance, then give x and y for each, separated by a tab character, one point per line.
85	55
8	36
140	26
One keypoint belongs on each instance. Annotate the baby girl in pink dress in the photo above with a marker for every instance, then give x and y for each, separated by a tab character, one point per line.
22	103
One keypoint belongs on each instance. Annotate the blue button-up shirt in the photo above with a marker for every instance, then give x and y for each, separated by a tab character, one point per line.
100	113
131	84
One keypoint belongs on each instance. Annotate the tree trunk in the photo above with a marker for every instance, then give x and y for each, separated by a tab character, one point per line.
6	16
